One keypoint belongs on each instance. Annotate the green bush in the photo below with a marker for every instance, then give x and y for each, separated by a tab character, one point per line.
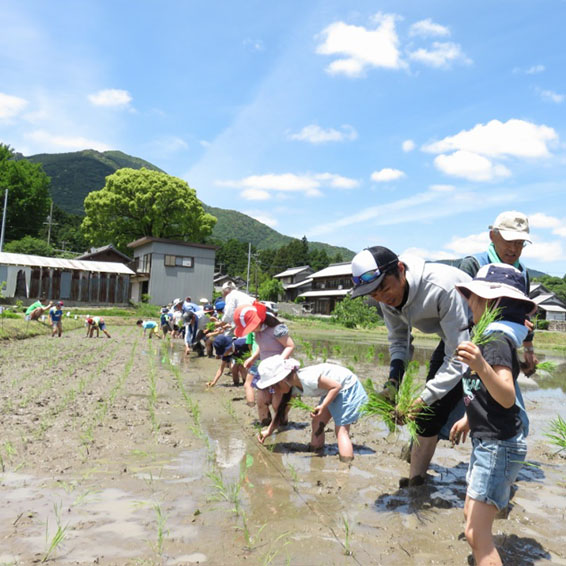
355	312
543	324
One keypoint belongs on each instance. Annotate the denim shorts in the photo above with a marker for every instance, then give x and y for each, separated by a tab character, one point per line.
345	407
494	467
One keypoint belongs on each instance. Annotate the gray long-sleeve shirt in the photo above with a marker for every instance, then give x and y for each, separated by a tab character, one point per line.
433	306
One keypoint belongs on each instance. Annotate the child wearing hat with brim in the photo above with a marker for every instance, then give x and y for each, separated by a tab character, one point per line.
271	337
340	392
492	417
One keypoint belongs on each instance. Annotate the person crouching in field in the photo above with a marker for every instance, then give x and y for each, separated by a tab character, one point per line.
231	351
36	310
97	324
149	326
340	391
492	417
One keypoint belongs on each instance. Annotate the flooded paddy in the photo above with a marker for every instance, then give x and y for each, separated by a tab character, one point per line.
114	453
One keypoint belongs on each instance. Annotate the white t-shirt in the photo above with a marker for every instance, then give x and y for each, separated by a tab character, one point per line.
235	299
309	377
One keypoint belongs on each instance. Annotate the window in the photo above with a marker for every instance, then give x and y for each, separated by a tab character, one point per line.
178	261
145	263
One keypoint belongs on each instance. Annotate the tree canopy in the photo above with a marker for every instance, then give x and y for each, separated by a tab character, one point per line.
30	245
137	203
28	195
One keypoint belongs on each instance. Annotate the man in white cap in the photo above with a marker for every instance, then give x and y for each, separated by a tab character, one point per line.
509	234
233	299
415	294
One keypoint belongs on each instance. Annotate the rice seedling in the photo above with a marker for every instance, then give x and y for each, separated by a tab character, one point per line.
337	350
298	403
557	433
381	358
370	354
161	530
58	537
272	553
402	410
479	336
249	538
347	532
293	473
546	366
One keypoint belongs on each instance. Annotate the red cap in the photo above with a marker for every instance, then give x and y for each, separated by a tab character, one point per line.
248	317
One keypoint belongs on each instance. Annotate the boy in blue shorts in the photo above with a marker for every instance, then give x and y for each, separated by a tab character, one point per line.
55	319
492	417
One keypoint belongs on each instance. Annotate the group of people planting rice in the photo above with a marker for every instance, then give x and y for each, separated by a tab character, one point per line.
481	315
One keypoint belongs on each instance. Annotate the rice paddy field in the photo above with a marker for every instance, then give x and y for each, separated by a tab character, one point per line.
113	452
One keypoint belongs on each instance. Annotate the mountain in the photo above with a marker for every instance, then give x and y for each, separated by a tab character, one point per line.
74	175
234	224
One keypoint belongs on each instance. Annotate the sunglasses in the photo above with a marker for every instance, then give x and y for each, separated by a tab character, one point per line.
371	275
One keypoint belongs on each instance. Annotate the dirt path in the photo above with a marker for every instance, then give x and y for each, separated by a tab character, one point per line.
116	447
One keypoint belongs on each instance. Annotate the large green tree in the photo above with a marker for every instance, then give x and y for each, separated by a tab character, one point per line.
28	195
136	203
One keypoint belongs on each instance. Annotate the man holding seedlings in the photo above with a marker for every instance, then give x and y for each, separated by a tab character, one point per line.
415	294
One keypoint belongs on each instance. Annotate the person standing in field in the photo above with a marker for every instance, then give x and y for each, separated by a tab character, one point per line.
55	319
509	235
415	294
492	415
233	299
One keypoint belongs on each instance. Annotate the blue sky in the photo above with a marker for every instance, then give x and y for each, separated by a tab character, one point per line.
404	124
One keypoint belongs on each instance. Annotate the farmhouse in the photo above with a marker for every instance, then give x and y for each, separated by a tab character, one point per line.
295	280
165	269
329	286
77	281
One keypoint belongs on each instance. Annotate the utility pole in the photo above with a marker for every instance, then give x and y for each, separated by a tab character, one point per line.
49	222
248	277
4	220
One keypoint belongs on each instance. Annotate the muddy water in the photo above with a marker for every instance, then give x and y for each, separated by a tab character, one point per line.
117	445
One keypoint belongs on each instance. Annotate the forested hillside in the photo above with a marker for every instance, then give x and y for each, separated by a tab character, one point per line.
74	175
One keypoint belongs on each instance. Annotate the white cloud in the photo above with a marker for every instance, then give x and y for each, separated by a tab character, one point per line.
551	96
315	134
441	55
542	220
110	97
386	175
262	217
429	254
468	245
257	187
534	70
443	188
337	181
544	251
470	166
427	28
514	138
360	48
10	106
253	44
408	145
255	194
51	143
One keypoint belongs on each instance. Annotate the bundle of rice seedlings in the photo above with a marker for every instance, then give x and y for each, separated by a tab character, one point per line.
547	366
241	359
490	314
402	410
211	326
298	403
557	433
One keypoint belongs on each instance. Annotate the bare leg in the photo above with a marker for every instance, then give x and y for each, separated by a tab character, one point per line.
345	448
479	522
249	390
421	455
263	398
318	424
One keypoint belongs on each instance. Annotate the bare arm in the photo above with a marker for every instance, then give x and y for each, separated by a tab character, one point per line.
333	389
498	380
288	346
218	374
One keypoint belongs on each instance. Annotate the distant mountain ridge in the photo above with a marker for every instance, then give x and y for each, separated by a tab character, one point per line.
74	175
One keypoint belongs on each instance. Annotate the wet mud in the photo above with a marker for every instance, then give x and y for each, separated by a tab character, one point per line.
114	453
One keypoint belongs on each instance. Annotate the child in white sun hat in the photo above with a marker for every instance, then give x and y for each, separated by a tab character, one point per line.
340	391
